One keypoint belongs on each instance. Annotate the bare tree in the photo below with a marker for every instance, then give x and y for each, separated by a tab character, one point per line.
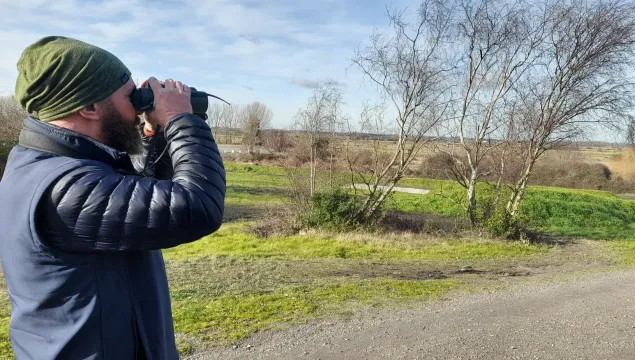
256	117
582	78
367	160
317	120
235	114
408	67
216	115
497	46
224	119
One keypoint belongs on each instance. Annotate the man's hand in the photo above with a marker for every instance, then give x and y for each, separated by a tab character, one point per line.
170	100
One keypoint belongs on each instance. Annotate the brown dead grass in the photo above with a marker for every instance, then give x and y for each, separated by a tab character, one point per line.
622	163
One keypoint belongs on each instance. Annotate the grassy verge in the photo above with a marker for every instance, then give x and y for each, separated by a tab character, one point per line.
228	318
234	167
253	198
624	251
5	314
231	240
255	185
245	284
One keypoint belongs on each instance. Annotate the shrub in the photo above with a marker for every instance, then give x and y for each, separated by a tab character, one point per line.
500	224
572	174
436	166
337	211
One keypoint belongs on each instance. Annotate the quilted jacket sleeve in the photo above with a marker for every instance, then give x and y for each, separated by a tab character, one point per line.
95	208
153	160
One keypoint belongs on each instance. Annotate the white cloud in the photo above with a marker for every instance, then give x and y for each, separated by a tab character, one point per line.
233	18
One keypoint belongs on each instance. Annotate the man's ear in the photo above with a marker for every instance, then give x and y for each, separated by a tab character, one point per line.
90	112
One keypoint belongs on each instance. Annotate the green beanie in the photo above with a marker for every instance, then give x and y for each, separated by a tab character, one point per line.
58	76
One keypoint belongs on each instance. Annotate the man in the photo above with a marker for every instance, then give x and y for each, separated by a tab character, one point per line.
82	228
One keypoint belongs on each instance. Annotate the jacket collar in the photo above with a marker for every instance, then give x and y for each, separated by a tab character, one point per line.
54	139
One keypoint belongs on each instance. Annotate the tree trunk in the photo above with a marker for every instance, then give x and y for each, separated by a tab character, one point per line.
312	171
331	165
471	197
374	206
499	184
519	190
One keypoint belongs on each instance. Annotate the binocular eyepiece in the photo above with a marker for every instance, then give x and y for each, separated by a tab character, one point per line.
143	100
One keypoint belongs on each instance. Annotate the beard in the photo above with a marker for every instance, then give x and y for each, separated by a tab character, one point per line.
120	134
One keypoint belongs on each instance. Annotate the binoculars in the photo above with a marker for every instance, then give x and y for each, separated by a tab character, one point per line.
143	100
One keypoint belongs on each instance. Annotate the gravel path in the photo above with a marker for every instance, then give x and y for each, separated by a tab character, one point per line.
591	317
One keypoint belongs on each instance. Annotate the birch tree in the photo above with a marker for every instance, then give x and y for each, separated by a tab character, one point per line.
256	117
317	120
582	79
407	65
497	41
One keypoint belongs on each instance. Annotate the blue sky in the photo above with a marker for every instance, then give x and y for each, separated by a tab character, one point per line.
242	50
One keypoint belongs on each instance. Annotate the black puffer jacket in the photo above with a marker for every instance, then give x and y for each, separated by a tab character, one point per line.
82	231
94	208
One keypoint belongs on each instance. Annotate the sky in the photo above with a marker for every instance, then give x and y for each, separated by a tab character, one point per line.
275	52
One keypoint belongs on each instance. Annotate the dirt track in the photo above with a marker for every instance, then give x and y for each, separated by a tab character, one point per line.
591	317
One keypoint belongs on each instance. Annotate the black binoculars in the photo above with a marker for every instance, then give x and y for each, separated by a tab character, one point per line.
143	99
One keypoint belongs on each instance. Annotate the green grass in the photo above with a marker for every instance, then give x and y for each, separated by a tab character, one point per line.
624	251
600	233
5	316
425	204
226	319
255	185
568	212
257	181
231	240
253	169
596	215
252	198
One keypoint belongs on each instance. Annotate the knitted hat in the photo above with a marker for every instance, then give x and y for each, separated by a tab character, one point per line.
58	76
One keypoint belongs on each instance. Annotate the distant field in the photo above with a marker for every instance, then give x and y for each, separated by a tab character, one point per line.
557	167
